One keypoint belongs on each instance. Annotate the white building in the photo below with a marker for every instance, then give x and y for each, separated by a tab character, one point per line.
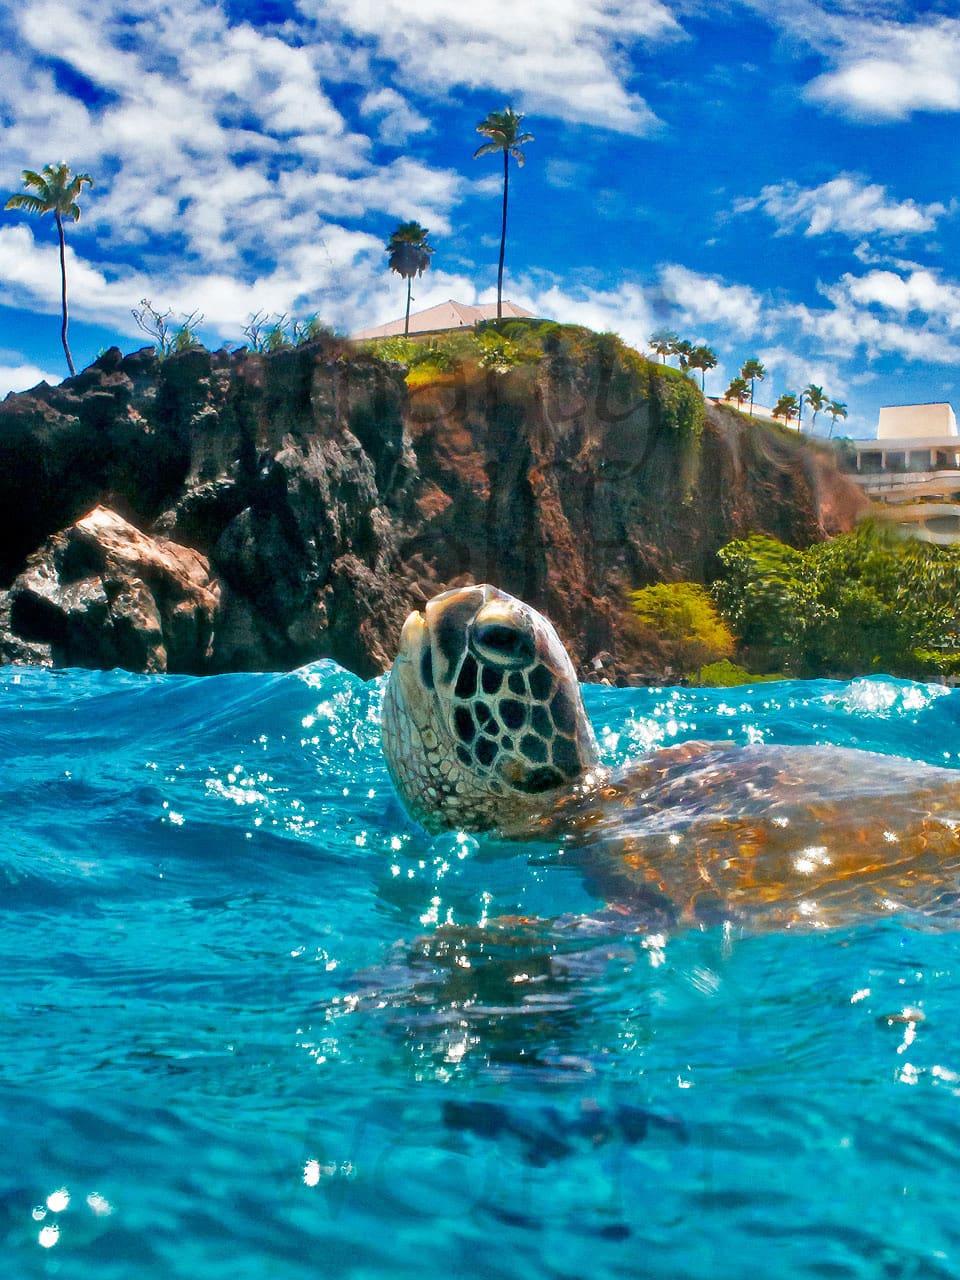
913	467
909	421
443	317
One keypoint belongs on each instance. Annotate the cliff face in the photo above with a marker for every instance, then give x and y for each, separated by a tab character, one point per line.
310	500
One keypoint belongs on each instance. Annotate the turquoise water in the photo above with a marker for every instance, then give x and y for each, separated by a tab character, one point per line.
232	1043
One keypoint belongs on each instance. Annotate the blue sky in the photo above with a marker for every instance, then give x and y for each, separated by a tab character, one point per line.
776	178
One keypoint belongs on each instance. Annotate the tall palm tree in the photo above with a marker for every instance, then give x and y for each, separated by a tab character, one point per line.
816	402
664	343
503	130
702	358
753	371
409	257
836	409
56	190
739	390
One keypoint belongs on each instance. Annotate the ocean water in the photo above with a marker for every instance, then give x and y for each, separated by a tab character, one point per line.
237	1041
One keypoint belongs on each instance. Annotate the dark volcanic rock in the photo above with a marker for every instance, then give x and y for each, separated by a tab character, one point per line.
102	594
316	501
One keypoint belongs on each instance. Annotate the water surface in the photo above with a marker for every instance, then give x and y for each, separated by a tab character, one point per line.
235	1045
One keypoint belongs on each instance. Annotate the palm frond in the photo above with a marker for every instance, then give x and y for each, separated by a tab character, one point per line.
487	149
32	204
55	189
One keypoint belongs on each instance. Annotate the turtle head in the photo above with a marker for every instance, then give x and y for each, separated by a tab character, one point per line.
483	722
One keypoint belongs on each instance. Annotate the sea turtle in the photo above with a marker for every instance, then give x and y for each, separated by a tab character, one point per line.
484	728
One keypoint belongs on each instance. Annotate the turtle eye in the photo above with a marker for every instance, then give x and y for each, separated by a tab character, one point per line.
503	644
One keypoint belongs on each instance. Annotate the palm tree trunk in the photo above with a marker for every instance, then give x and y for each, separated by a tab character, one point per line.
406	323
751	397
503	233
63	295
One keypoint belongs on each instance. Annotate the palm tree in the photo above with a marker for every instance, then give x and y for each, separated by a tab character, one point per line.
787	408
409	257
664	343
816	402
503	130
702	358
56	190
753	371
836	409
739	390
683	350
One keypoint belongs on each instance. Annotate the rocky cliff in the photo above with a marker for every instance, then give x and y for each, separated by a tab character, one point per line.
217	511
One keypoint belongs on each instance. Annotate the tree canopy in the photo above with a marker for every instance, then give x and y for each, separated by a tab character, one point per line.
739	390
753	372
867	601
786	408
686	623
664	343
702	358
410	255
836	409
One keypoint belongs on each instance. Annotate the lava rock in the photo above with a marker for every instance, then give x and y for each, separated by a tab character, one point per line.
102	594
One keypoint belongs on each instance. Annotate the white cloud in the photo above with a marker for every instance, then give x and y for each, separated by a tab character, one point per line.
888	70
787	369
30	271
406	189
919	291
200	131
914	317
847	205
705	301
398	120
555	57
562	173
882	67
626	311
23	377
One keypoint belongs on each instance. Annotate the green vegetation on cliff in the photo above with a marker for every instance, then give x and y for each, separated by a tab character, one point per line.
864	602
625	376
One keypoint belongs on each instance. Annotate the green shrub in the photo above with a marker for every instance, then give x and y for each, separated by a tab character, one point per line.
727	675
868	601
686	623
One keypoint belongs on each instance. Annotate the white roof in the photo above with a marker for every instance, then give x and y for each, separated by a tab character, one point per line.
445	315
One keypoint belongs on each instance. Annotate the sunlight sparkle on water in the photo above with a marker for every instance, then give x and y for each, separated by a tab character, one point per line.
882	698
99	1205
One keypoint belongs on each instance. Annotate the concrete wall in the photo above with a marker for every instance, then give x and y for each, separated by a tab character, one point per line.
900	421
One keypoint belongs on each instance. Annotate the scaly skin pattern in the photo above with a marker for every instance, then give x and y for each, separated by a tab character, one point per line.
484	728
482	717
